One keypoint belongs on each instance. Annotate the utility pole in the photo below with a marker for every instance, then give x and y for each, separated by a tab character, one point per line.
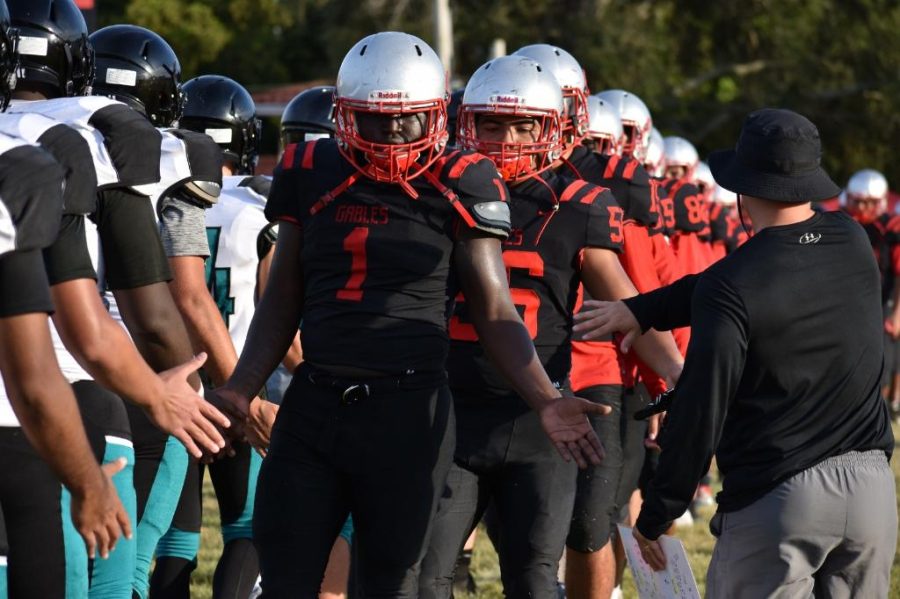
443	33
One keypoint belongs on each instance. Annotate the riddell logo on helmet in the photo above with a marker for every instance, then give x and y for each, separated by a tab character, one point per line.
388	95
507	100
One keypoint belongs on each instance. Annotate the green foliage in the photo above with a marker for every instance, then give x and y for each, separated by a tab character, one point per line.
700	66
190	27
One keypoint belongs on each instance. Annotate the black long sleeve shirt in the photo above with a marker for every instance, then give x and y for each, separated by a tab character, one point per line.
783	369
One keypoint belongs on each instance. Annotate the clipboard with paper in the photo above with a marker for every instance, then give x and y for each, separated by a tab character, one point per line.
675	582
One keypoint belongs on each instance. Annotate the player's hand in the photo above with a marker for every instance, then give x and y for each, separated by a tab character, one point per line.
185	414
259	424
651	551
98	513
598	319
565	420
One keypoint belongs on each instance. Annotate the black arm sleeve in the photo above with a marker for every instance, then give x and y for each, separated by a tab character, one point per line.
665	308
712	371
23	284
68	258
132	250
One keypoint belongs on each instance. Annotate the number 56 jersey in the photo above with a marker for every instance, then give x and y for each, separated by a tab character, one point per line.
375	261
553	221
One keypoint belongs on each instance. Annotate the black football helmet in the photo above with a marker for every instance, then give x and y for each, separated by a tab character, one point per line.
8	58
54	52
309	115
221	108
138	67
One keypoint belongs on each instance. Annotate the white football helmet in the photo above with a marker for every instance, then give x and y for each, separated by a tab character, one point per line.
391	73
571	79
654	161
636	121
514	86
866	195
604	127
724	196
704	179
680	153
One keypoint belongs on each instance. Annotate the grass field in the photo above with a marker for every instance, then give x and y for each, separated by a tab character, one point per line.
696	538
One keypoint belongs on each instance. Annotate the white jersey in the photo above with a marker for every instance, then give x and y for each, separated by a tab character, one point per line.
232	226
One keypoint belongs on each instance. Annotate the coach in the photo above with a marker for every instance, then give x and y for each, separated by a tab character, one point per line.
780	382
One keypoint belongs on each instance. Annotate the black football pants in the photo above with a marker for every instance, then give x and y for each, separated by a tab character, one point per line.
507	461
384	458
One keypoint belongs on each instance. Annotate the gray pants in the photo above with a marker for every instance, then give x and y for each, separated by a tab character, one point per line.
828	531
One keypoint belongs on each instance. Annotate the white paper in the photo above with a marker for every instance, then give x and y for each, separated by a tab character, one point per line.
675	582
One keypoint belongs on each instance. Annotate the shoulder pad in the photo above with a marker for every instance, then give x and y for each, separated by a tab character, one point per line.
257	183
266	239
492	217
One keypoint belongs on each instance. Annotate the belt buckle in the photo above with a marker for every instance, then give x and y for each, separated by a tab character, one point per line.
355	394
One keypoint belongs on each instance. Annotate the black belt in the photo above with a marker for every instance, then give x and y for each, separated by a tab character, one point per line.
356	389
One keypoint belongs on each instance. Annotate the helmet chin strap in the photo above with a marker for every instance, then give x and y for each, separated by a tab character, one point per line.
740	206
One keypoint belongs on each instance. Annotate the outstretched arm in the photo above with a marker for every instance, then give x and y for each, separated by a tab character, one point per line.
505	339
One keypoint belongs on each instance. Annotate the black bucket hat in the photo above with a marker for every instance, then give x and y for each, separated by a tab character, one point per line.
777	157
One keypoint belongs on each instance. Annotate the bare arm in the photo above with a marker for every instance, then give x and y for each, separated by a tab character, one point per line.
508	344
604	278
274	324
103	349
201	316
156	327
46	407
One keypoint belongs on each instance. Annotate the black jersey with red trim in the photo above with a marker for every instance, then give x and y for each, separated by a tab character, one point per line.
623	176
718	222
688	205
884	236
553	221
376	263
666	223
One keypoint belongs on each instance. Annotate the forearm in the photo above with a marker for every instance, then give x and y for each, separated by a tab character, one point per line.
666	308
658	351
44	402
207	331
156	327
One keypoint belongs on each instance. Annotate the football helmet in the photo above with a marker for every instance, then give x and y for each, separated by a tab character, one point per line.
391	73
866	195
604	127
309	115
724	196
636	121
53	47
221	108
654	161
573	82
679	152
704	179
138	67
514	86
8	58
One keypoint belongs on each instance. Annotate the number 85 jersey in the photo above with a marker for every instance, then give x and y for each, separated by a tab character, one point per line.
553	221
376	262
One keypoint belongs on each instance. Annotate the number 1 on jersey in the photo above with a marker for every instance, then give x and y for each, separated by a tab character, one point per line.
355	243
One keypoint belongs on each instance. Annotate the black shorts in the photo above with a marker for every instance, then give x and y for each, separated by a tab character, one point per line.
385	458
596	510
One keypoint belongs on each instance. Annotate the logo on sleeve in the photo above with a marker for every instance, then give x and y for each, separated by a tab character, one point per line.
808	238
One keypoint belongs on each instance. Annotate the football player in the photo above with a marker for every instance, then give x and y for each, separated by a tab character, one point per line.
691	215
373	227
564	232
599	371
222	109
